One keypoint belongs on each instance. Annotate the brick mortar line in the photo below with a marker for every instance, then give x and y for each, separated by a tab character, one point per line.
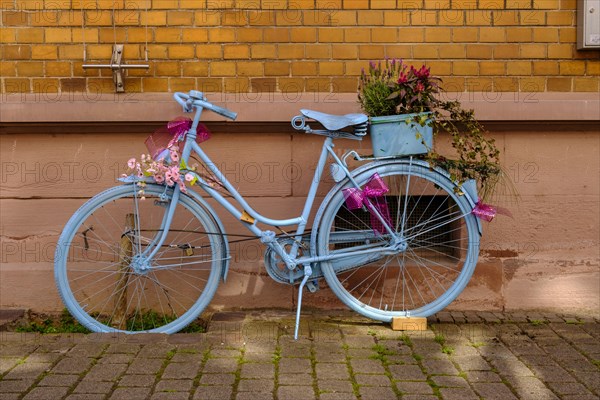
196	380
388	373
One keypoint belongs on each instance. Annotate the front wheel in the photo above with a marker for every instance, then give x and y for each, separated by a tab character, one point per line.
108	284
418	274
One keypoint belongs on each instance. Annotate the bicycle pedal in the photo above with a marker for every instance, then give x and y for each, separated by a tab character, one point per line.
312	286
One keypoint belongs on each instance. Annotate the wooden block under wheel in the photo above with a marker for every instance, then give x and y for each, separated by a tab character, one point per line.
409	324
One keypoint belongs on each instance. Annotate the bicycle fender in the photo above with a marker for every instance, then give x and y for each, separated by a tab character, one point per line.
224	242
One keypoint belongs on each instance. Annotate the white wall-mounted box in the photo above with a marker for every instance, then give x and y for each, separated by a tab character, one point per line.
588	24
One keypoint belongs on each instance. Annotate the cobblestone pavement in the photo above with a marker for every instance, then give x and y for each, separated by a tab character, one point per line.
253	356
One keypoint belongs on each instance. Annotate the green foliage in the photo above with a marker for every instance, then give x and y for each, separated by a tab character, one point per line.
65	323
392	88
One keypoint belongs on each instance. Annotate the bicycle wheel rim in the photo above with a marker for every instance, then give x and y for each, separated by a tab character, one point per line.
420	280
96	278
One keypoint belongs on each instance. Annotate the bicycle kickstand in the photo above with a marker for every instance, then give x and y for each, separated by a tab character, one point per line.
307	274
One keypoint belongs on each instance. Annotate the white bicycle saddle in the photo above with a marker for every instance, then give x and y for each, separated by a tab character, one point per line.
335	122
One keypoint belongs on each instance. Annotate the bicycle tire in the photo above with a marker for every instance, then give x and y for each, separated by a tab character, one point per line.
441	239
94	262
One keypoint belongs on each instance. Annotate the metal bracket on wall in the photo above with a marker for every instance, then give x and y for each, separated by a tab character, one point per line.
117	67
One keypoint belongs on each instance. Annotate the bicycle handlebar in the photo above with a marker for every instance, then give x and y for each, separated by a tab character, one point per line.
197	99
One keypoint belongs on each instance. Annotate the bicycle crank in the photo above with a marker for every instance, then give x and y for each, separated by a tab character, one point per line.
277	269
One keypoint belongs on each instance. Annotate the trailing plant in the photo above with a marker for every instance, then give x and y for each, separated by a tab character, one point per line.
392	88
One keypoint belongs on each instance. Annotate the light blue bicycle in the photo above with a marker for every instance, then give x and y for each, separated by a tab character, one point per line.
393	237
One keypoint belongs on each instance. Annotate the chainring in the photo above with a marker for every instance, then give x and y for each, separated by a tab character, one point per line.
277	269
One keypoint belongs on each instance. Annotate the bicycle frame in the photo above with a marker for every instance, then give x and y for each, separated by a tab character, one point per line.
248	217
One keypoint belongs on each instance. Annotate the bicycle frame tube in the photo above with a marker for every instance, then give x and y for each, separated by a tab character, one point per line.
190	146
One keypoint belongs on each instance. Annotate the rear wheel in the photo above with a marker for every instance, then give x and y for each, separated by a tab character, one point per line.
421	274
107	283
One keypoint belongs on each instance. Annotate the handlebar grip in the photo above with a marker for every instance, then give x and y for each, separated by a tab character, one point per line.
224	112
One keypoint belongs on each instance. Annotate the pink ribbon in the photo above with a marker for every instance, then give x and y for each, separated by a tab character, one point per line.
373	192
484	211
181	125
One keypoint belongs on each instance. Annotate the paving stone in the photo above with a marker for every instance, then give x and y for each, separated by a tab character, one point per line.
130	394
155	350
141	366
372	380
87	386
45	393
90	350
407	373
335	386
331	357
254	370
336	396
255	385
295	379
254	396
220	365
472	363
361	353
103	372
377	393
28	370
579	397
213	393
181	370
552	374
217	379
259	357
414	388
21	385
449	381
493	391
72	365
361	365
332	371
10	396
295	392
170	396
6	363
529	387
59	380
419	397
225	353
439	367
117	359
137	381
458	394
360	342
174	385
86	396
569	388
294	365
483	376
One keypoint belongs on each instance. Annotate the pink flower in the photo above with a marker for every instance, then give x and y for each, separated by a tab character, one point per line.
131	163
174	156
403	78
419	87
189	177
182	186
159	178
169	178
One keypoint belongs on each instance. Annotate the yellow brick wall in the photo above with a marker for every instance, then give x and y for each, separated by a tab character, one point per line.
291	45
